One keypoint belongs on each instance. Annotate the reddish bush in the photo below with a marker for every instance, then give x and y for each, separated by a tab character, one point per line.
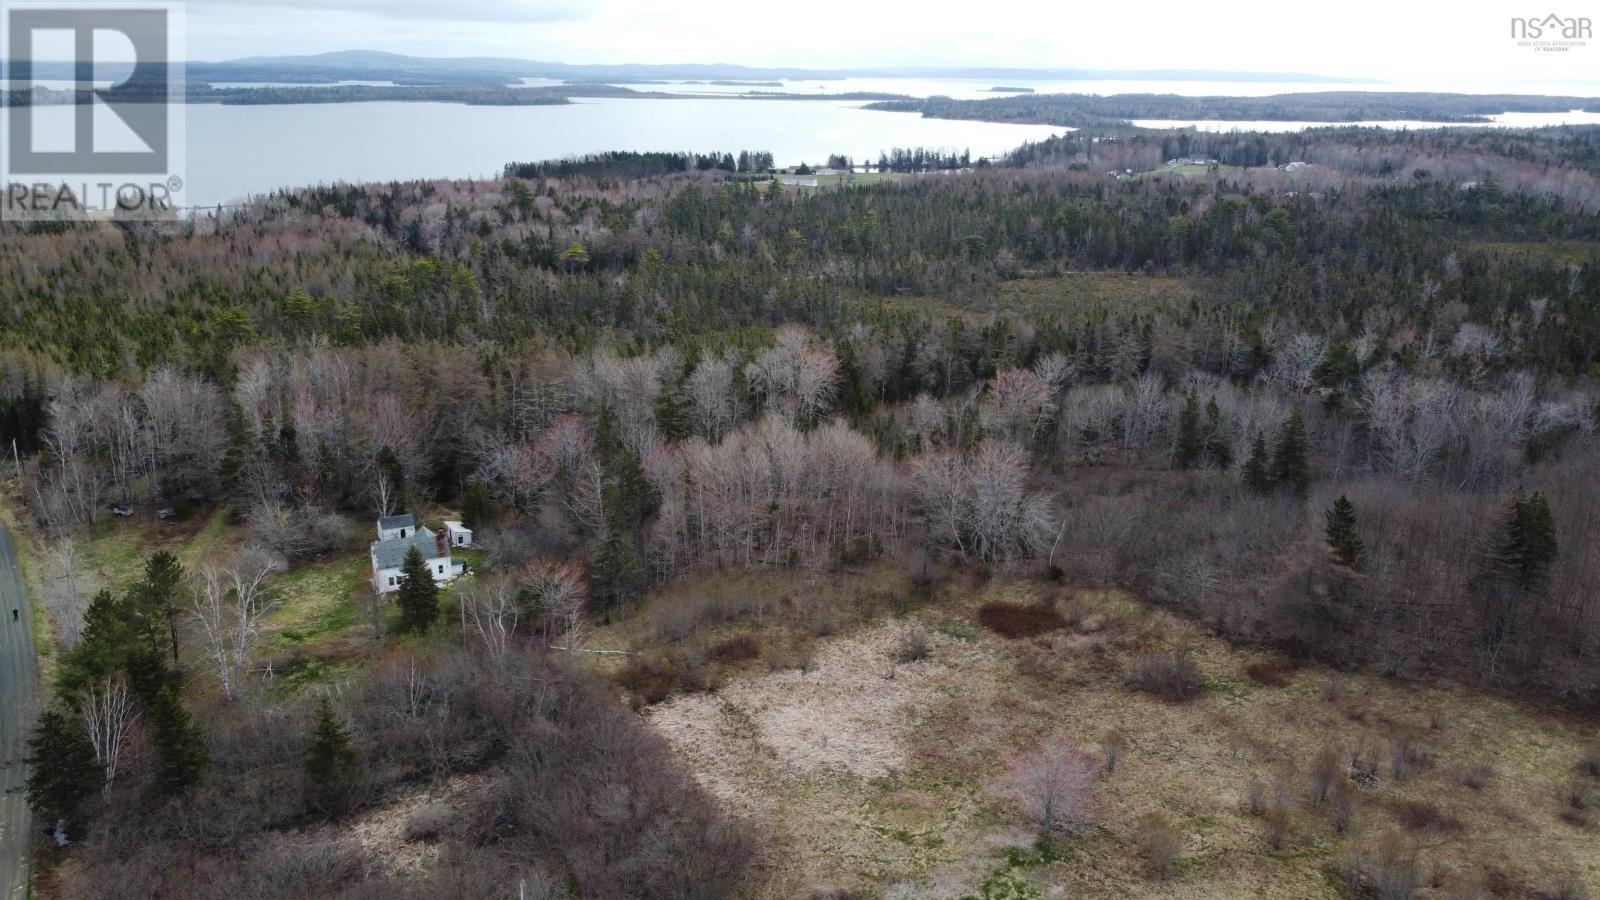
1275	672
1420	815
1014	620
736	649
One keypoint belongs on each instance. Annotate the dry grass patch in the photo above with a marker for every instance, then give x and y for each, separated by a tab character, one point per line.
884	779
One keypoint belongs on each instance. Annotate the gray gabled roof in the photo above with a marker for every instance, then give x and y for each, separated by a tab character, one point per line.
392	553
404	520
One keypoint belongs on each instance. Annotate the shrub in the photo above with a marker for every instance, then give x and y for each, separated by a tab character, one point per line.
1420	815
1255	797
912	645
1054	786
1278	826
1160	843
430	822
1275	672
652	678
1385	869
1173	677
736	649
1325	772
1015	620
1474	777
1341	806
1590	764
1111	747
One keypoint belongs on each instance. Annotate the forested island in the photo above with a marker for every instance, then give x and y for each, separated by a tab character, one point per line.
1092	110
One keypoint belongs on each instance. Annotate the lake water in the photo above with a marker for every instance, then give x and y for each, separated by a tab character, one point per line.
236	151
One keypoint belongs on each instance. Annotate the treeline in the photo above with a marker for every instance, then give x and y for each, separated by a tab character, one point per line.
641	164
919	159
1092	110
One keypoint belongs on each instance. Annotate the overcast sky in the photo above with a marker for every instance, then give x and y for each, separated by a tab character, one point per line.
1389	39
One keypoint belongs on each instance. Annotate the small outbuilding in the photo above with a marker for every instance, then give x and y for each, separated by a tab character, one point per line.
457	534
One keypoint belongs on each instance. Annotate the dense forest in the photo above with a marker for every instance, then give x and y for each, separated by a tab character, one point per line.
1349	411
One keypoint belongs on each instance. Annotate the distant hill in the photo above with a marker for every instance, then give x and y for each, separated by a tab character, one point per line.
375	64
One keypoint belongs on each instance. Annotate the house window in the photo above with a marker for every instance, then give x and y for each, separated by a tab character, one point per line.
391	581
402	532
441	570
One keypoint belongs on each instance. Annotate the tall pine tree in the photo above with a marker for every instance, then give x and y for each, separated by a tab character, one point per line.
180	742
331	765
1257	475
62	769
1219	444
1291	460
418	597
1343	540
1191	443
1527	544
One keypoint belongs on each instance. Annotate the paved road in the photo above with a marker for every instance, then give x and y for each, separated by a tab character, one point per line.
18	677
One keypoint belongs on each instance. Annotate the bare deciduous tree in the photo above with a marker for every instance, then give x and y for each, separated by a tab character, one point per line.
1054	786
229	603
108	717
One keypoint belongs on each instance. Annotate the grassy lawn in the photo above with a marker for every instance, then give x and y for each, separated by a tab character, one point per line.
1191	170
859	179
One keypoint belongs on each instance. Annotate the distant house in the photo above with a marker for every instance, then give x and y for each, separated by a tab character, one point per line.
391	527
457	534
403	533
798	180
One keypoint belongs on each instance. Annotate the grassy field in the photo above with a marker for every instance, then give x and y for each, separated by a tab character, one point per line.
859	179
1192	170
1563	252
1061	294
883	778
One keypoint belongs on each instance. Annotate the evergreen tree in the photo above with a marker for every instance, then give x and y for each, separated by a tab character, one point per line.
178	740
389	466
152	603
672	413
418	596
626	487
62	769
1257	476
1218	445
331	766
476	507
1190	442
1291	461
1343	539
1527	544
616	570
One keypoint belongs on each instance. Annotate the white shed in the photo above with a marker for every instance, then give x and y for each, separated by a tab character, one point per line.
457	534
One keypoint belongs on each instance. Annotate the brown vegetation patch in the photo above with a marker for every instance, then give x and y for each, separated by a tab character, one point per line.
736	649
1275	672
1014	620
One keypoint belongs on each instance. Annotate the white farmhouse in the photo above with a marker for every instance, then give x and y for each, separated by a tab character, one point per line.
391	527
389	554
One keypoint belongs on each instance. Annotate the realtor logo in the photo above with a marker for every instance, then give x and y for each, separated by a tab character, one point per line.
94	128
